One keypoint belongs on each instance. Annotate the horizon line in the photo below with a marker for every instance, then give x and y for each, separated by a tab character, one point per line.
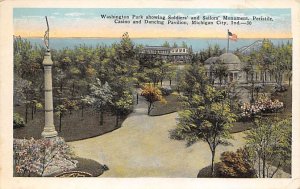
160	37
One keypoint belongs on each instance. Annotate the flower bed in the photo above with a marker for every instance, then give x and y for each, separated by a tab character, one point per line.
41	157
262	105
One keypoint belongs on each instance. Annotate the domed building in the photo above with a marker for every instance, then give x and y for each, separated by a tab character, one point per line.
236	71
233	64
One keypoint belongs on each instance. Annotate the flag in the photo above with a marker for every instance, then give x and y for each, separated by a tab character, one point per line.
232	36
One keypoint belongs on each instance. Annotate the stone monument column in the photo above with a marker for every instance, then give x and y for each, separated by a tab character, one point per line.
49	129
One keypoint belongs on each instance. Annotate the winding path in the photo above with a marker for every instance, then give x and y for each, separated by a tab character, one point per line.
142	148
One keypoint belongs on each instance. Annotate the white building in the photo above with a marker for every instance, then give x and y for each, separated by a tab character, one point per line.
236	70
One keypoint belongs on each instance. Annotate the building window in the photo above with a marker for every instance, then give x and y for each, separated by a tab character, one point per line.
230	76
235	76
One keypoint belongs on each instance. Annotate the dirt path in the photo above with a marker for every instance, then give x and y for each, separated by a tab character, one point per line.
142	148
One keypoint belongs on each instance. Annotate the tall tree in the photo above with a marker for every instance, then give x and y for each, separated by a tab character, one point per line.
221	71
22	93
122	104
206	116
269	145
60	111
100	97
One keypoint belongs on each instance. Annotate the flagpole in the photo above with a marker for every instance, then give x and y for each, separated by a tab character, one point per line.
227	40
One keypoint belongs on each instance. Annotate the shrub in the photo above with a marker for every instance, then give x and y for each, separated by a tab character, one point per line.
41	157
280	88
235	165
258	87
18	121
166	91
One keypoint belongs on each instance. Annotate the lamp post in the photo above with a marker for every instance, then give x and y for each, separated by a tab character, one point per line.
49	129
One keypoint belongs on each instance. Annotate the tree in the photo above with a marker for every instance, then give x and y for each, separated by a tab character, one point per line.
171	73
60	112
184	45
164	68
28	61
152	94
289	63
265	57
221	71
166	44
211	51
35	105
84	102
269	145
206	115
22	93
175	45
236	165
100	97
153	74
122	105
70	105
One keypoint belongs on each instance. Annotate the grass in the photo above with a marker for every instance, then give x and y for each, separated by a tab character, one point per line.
74	126
171	106
241	126
286	98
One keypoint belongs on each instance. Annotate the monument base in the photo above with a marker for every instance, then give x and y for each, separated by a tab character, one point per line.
49	132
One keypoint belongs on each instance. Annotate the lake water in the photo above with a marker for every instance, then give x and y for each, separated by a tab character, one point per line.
196	43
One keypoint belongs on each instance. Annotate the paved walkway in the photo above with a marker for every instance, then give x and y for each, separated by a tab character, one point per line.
142	148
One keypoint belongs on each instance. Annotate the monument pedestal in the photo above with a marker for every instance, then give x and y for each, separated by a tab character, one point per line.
49	129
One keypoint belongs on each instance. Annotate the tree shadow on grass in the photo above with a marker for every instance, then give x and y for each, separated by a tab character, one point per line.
206	172
88	166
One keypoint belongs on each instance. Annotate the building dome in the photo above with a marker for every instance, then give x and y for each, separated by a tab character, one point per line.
229	58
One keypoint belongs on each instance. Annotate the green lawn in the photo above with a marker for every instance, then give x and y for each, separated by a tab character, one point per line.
74	126
172	105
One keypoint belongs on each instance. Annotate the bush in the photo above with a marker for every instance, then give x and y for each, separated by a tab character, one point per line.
235	165
280	88
166	91
41	157
18	121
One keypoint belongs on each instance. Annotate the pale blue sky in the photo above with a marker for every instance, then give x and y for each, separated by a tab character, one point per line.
68	22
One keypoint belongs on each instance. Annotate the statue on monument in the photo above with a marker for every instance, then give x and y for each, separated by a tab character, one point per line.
46	36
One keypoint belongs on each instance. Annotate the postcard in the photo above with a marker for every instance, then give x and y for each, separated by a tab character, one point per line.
149	94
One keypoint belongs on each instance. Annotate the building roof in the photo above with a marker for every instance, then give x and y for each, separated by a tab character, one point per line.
229	58
157	48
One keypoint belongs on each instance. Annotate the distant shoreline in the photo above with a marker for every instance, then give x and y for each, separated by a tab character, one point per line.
197	44
34	37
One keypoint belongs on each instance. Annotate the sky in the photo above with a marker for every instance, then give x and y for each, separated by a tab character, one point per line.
87	22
